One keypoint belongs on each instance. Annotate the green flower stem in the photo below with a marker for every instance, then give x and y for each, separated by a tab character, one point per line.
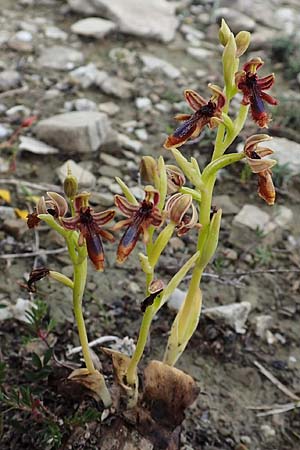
154	251
140	346
79	280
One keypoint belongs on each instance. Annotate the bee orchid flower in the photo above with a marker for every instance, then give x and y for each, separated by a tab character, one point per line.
139	218
205	113
54	204
253	89
89	223
260	166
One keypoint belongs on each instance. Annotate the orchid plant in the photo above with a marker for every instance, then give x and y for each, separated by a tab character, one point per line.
168	207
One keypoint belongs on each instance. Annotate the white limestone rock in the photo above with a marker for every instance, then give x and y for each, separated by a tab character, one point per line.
76	131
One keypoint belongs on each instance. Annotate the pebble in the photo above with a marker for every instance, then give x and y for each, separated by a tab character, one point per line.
286	152
252	220
141	134
4	166
105	199
143	103
201	54
85	178
111	160
84	104
267	431
93	27
152	64
78	131
35	146
7	212
115	86
235	315
110	108
5	131
60	58
9	79
128	143
55	33
262	325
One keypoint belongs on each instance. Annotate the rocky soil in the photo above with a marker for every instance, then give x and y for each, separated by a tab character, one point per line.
104	83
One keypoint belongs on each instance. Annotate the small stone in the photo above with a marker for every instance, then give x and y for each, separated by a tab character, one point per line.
262	325
201	54
115	188
176	243
35	146
110	108
267	431
143	103
93	27
111	172
15	227
84	104
86	76
292	362
141	134
18	112
176	299
130	144
152	64
230	254
225	202
7	212
85	178
122	55
21	42
270	338
55	33
9	79
114	86
75	131
235	315
17	311
4	166
252	222
60	58
286	152
102	198
5	131
111	160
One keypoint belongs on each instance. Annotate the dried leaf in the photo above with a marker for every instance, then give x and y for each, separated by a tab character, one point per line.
94	383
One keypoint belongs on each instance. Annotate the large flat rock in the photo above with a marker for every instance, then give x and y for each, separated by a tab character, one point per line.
78	131
150	19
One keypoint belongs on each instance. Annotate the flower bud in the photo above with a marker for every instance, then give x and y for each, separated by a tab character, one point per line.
175	178
148	169
229	61
70	185
224	33
177	206
242	41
